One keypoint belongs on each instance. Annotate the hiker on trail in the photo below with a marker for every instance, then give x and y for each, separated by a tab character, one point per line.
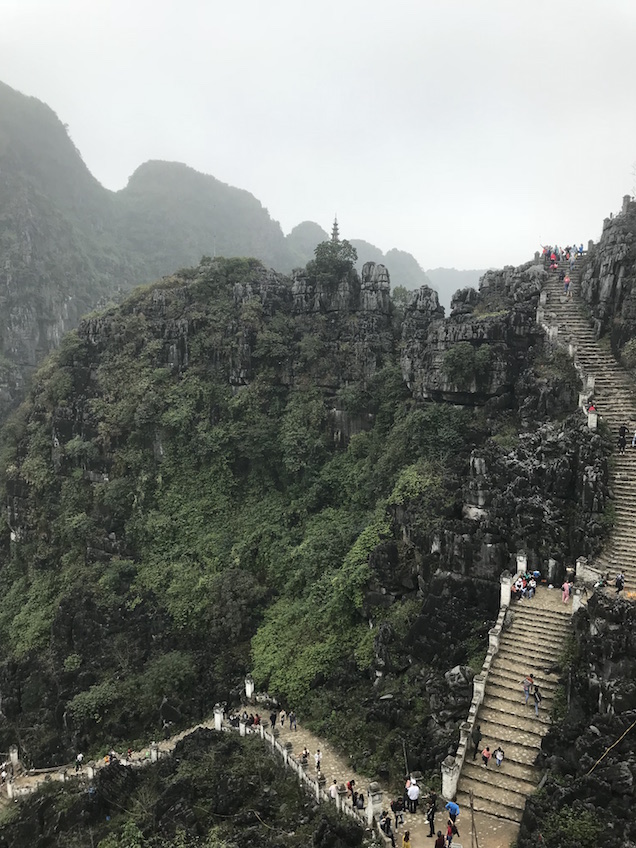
453	811
532	587
476	738
580	250
318	759
528	683
78	762
406	839
565	592
451	831
622	438
498	754
360	801
333	790
619	582
389	830
430	818
305	755
272	719
439	842
292	721
397	808
537	700
351	787
414	796
283	716
566	286
485	756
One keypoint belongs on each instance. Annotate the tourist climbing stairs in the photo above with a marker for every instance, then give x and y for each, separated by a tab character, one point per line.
614	396
531	644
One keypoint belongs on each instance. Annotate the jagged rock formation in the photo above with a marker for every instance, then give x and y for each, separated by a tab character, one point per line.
608	285
481	352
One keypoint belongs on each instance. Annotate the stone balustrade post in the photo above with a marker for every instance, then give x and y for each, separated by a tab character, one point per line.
14	757
577	601
551	570
506	587
154	752
590	382
450	778
592	420
522	562
494	635
626	201
479	688
374	803
543	298
583	401
10	789
249	687
590	245
464	734
242	728
341	796
219	712
90	771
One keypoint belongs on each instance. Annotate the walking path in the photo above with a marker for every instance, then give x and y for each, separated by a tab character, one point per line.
531	645
615	401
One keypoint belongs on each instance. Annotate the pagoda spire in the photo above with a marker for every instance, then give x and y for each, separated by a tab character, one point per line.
335	234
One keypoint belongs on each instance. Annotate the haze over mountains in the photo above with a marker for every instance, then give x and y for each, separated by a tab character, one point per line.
68	244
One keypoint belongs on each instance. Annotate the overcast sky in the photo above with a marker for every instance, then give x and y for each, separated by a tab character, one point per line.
463	131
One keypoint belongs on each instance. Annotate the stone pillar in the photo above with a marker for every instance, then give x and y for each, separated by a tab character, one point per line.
543	298
592	420
154	752
450	778
341	797
581	566
10	792
464	734
552	566
590	245
261	730
249	687
583	401
374	803
219	712
590	382
242	728
576	601
90	771
506	585
493	638
479	688
522	562
571	350
537	256
13	755
626	201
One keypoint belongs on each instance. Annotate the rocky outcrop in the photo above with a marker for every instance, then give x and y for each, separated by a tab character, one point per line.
608	284
481	349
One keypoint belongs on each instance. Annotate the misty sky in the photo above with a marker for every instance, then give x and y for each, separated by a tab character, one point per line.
463	131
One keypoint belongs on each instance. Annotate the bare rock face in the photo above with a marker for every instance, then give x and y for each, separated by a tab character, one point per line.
608	285
482	348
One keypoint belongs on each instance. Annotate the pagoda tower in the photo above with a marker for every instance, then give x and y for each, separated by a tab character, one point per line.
335	234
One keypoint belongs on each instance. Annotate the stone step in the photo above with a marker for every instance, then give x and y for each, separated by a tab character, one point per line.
499	676
498	709
495	776
483	805
528	636
481	789
505	666
500	734
523	613
530	654
531	774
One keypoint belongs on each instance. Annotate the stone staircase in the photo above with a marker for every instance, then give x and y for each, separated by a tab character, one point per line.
531	645
615	400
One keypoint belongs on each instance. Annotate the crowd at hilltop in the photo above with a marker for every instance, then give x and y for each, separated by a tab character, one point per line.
553	254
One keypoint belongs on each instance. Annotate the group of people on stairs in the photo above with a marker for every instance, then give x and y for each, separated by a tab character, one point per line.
409	803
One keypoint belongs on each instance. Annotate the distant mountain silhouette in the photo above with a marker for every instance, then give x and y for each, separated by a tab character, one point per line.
67	244
448	280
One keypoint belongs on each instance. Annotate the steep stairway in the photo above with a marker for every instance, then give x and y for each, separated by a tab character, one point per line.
615	401
531	645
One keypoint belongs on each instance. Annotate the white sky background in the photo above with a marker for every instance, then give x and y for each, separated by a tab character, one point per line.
463	131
